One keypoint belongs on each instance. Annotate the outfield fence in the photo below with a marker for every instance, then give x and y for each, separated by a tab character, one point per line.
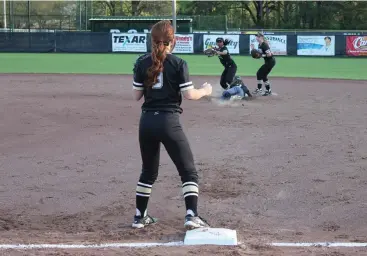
287	44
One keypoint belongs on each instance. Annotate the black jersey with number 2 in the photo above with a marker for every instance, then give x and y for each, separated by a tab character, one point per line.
166	94
264	47
226	60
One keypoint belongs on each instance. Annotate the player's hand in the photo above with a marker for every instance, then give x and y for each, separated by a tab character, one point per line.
207	88
252	46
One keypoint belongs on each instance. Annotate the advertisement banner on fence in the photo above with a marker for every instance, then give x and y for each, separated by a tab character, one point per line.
356	45
278	44
316	45
125	42
233	46
184	44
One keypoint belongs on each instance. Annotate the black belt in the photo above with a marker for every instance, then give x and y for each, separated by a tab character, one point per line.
160	111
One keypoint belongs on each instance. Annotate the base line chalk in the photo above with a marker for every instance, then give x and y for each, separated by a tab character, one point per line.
168	244
86	246
318	244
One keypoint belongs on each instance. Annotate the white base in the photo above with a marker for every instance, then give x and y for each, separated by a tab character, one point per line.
212	236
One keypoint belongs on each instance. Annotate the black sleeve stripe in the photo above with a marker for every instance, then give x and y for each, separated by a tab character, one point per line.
182	89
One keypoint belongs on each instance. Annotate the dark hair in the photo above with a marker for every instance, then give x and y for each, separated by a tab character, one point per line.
220	39
327	37
162	34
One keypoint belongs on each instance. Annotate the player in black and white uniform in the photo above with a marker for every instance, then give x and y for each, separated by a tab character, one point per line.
230	67
265	69
162	78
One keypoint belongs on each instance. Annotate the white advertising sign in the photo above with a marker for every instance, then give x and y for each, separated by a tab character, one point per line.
316	45
233	46
277	44
127	42
184	43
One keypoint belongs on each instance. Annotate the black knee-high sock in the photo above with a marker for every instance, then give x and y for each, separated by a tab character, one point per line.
190	191
259	84
267	85
143	191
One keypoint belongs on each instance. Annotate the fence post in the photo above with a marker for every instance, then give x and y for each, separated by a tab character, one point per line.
4	13
11	13
86	16
55	39
225	24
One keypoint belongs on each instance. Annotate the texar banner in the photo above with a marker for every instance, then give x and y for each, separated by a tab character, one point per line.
233	46
278	44
124	42
356	45
316	45
184	44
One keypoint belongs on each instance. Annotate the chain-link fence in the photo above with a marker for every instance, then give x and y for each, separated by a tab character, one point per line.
46	15
75	15
219	23
207	23
39	22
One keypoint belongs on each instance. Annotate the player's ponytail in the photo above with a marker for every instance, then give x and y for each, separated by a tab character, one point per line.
159	54
226	42
162	35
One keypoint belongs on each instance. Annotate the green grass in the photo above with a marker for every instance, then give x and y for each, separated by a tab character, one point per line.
310	67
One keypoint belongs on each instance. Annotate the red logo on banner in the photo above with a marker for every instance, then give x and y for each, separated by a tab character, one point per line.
360	42
356	45
184	38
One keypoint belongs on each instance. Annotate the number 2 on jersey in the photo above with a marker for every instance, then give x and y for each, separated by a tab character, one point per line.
159	85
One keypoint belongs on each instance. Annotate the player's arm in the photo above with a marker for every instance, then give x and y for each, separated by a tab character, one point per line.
225	52
138	95
187	87
267	51
138	83
195	94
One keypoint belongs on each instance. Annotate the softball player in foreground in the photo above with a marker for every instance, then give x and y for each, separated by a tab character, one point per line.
161	78
265	69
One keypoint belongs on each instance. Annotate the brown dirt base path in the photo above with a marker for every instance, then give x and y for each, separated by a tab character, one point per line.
286	168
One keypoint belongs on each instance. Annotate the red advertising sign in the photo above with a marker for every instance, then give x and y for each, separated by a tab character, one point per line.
356	45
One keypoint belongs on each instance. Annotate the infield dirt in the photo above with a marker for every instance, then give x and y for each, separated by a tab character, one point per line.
286	168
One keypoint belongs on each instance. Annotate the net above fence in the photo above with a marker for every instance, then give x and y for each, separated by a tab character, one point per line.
205	22
40	22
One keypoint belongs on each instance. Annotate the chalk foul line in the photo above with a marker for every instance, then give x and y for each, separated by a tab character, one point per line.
168	244
86	246
320	244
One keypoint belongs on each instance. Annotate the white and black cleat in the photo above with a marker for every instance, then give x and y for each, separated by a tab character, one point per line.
193	222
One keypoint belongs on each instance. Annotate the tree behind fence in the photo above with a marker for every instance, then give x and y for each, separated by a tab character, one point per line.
207	15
